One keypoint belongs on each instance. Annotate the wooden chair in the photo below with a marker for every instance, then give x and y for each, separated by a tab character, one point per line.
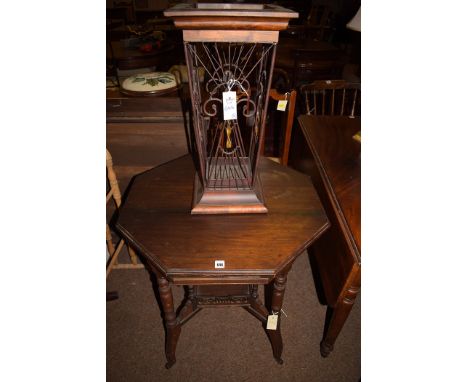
331	97
114	251
287	119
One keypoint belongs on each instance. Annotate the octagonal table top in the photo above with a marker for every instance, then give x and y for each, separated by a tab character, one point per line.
155	218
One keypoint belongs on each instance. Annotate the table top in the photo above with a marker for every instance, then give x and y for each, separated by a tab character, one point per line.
156	219
338	157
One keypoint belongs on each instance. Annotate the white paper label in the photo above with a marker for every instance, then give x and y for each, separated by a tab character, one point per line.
229	105
272	322
282	105
219	263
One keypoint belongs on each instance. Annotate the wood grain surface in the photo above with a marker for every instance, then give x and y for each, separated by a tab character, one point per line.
156	219
325	149
338	157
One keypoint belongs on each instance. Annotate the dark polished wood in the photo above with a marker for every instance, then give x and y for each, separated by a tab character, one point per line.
181	248
324	148
170	319
215	201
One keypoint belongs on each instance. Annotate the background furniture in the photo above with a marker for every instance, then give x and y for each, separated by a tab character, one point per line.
325	149
124	58
114	251
313	63
316	26
331	97
279	126
319	22
183	249
143	132
309	60
116	17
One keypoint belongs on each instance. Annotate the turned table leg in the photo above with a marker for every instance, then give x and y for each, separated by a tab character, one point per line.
279	286
337	317
170	319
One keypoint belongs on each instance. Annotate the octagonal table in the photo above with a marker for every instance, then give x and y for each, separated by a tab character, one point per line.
221	259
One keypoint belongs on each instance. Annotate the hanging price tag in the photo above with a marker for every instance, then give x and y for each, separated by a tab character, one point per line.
282	105
272	321
229	105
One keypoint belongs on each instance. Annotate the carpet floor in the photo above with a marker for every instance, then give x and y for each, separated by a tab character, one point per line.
226	344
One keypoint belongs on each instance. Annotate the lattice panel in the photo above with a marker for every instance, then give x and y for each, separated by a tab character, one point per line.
228	149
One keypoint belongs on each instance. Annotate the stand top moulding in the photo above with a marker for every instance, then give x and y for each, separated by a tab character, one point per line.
239	22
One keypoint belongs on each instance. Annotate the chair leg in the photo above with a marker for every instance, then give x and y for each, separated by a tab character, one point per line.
132	254
109	242
114	257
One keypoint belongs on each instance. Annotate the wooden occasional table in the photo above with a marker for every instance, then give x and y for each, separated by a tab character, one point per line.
181	249
333	158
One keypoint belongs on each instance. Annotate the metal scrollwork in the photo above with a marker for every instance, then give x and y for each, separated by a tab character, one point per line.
250	105
228	148
213	102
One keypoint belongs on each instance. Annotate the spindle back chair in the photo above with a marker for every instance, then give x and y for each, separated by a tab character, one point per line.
286	119
331	97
